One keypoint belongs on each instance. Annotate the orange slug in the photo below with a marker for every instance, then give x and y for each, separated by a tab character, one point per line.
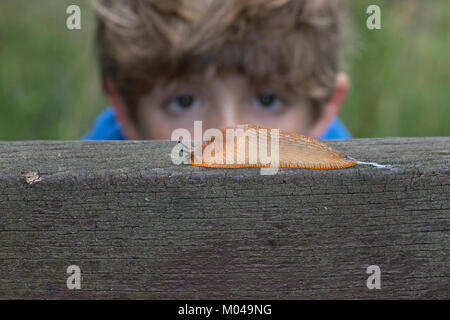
294	150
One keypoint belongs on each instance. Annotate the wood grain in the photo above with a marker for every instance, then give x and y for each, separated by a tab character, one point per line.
140	227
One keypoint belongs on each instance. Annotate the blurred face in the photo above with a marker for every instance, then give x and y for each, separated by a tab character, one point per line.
220	102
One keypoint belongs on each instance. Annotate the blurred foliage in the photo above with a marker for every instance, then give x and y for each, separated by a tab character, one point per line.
401	73
49	87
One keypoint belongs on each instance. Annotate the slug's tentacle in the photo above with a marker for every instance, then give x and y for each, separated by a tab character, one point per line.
190	146
186	148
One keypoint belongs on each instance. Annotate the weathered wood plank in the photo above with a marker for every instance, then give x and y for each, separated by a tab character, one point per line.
140	227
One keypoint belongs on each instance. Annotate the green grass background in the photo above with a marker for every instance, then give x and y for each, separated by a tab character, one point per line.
49	87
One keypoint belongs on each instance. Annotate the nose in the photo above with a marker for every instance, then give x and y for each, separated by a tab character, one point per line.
227	107
228	114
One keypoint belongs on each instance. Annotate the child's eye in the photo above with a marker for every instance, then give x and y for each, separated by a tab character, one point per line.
183	103
270	102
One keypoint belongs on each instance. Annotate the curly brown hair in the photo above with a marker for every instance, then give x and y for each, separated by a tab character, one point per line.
142	43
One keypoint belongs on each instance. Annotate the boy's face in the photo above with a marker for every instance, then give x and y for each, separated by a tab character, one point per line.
221	102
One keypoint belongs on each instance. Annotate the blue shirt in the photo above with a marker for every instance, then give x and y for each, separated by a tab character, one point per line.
107	127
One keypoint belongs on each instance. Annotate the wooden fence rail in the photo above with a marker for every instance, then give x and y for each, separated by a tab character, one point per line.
138	226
